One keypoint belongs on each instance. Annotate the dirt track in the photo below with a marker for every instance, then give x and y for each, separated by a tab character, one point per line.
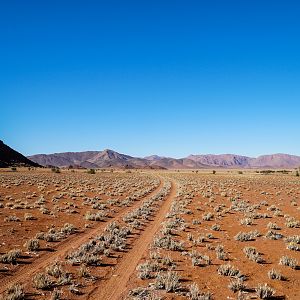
26	271
114	287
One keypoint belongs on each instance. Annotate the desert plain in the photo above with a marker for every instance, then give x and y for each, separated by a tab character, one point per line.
149	234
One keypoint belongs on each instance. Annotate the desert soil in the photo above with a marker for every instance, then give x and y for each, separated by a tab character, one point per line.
119	235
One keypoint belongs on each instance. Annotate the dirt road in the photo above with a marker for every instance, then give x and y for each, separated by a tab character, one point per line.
113	288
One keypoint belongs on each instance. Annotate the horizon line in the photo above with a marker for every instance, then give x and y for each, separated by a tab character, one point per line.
164	156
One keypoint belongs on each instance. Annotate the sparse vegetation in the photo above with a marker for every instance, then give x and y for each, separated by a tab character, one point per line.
273	274
167	281
32	245
253	254
237	285
42	281
99	221
229	270
288	261
55	170
194	293
264	291
14	292
10	257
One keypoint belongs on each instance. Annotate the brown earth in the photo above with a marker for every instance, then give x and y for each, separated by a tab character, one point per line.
22	272
115	285
228	196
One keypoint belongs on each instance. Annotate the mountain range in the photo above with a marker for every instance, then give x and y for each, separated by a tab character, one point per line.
109	158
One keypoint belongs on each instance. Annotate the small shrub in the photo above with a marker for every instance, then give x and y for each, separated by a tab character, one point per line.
293	246
55	270
64	279
12	219
56	294
264	291
10	257
194	293
142	293
221	254
216	227
273	226
42	281
28	216
293	239
196	222
247	236
91	171
55	170
229	270
166	242
167	281
146	269
15	292
167	261
99	216
73	288
84	272
292	224
288	261
68	229
275	275
246	221
210	236
237	285
32	245
253	255
207	217
273	235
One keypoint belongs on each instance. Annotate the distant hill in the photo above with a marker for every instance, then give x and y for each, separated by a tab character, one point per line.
9	157
93	159
109	158
279	160
222	160
237	161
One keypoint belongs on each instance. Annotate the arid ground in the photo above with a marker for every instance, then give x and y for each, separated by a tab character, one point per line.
149	235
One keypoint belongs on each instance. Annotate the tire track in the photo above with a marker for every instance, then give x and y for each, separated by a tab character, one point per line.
26	272
114	287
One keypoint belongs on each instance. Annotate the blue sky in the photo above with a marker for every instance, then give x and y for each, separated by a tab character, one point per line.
150	77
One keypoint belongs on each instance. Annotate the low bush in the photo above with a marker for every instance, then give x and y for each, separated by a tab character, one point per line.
264	291
10	257
237	285
253	255
91	171
288	261
167	281
42	281
229	270
15	292
194	293
275	275
32	245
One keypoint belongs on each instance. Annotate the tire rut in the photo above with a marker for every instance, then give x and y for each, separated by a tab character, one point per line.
25	272
114	287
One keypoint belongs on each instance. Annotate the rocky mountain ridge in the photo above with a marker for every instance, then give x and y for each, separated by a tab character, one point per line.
109	158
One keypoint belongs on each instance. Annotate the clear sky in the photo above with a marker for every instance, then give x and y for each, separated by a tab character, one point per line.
150	77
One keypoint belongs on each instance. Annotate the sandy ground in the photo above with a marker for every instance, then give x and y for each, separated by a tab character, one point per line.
56	199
